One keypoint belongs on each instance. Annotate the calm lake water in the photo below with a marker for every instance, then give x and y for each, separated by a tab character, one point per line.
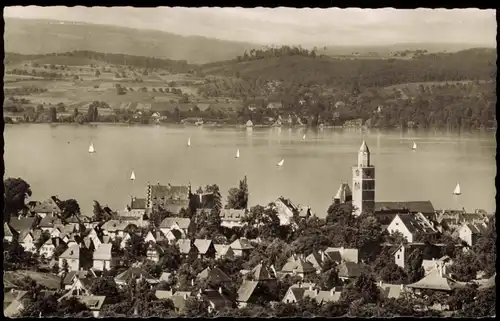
54	160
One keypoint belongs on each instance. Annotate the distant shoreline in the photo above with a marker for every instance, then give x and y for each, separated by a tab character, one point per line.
173	125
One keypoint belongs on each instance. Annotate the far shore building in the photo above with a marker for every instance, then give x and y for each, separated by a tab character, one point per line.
167	197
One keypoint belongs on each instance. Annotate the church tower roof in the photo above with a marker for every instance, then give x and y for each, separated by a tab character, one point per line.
364	148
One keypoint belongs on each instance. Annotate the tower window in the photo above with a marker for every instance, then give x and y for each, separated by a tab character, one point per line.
357	172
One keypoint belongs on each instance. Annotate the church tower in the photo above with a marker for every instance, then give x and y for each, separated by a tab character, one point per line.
363	182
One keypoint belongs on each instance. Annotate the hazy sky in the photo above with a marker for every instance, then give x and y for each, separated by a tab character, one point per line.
290	25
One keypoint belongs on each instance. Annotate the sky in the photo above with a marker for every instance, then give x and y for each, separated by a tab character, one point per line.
290	25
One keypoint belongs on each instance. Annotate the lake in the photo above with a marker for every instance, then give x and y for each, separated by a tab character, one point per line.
54	160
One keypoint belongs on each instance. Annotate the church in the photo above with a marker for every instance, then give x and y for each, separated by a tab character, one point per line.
362	196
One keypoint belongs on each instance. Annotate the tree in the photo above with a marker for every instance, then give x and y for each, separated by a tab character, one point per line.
483	305
465	266
171	259
485	249
364	288
413	268
16	192
69	208
135	249
238	197
329	279
104	286
196	308
99	214
65	267
215	191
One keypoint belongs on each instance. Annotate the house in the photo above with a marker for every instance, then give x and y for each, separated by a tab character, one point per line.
344	194
299	267
249	123
232	217
403	251
241	247
316	259
134	273
72	257
205	248
102	258
48	248
322	297
391	291
214	276
297	292
154	236
94	303
78	286
305	211
56	231
182	224
154	252
20	300
20	223
28	238
187	248
48	207
124	240
70	277
411	226
246	293
216	299
155	117
223	251
436	281
348	270
286	209
8	232
115	228
174	235
170	198
386	211
338	254
137	206
166	277
430	265
470	232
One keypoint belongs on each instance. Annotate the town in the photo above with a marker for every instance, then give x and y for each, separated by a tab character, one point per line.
182	251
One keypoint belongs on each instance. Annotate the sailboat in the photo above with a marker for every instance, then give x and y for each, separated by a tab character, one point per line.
189	142
91	148
457	190
281	162
237	154
304	137
132	177
414	146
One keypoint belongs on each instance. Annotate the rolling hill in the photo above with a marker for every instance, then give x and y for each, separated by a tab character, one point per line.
28	36
471	64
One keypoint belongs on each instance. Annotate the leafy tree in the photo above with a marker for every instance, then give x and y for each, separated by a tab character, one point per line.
69	208
337	213
485	249
104	286
65	267
363	288
171	259
99	213
238	197
214	189
465	266
483	305
461	296
135	249
53	114
196	308
392	273
329	279
413	268
16	192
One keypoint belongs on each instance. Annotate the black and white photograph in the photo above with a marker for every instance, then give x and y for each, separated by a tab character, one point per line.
178	162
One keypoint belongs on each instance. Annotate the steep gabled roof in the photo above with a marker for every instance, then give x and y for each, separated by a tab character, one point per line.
348	269
73	252
21	223
103	252
182	222
261	273
213	275
246	290
185	246
50	220
435	281
241	244
202	245
416	223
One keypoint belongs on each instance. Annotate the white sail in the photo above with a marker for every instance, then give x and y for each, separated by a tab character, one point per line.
91	148
414	146
304	137
281	162
457	190
189	141
132	177
238	153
